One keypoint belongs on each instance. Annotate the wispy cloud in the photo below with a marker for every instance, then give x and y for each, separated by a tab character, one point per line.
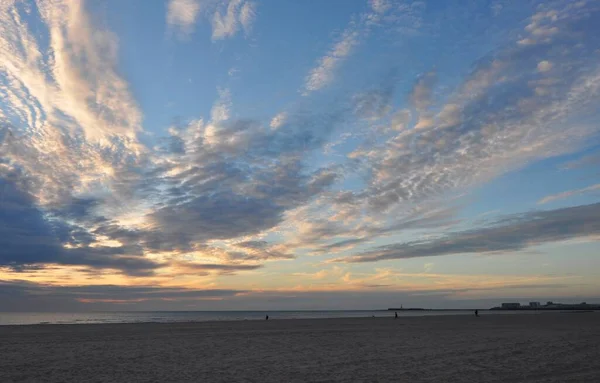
479	130
381	12
569	193
321	75
247	15
79	115
182	15
230	16
227	17
380	6
511	233
592	159
278	120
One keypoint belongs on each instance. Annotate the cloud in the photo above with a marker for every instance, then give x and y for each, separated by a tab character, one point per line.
405	18
544	66
323	236
79	88
247	15
421	95
380	6
182	15
279	120
499	118
592	159
230	178
323	74
401	119
345	244
509	234
541	28
222	269
374	104
73	120
221	110
28	238
227	17
22	295
567	194
225	24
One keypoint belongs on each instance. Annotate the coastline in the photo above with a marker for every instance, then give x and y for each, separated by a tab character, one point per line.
66	318
272	319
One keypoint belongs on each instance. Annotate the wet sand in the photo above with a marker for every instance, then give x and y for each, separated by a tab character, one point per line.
549	347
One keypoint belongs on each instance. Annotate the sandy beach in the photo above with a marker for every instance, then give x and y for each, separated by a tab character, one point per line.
549	347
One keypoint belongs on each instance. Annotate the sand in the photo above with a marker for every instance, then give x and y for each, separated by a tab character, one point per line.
548	347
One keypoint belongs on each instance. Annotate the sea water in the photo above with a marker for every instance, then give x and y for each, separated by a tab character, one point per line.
28	318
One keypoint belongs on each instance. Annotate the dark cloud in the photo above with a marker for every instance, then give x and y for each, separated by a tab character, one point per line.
342	244
253	244
219	267
29	238
412	220
77	208
512	233
239	180
27	296
218	216
228	200
269	254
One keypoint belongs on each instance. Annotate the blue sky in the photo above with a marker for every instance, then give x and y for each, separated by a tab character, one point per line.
218	154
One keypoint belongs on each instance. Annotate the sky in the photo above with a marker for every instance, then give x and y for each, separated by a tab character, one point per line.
338	154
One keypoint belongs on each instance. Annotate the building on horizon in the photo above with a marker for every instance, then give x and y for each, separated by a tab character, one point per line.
535	305
511	305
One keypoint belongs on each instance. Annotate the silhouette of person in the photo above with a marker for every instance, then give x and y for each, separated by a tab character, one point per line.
267	317
476	313
396	317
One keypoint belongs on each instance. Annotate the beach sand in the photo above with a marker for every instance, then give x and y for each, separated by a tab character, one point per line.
548	347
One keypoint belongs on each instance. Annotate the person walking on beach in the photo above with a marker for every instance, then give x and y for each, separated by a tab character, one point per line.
396	317
476	313
267	317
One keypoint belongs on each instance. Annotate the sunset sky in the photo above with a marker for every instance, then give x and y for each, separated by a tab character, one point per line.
335	154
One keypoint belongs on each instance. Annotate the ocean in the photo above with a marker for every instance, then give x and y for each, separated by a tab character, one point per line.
29	318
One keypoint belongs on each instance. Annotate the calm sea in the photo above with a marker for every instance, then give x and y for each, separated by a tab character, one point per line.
15	318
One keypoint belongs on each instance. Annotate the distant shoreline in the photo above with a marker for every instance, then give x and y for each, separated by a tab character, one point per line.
523	308
577	308
421	309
